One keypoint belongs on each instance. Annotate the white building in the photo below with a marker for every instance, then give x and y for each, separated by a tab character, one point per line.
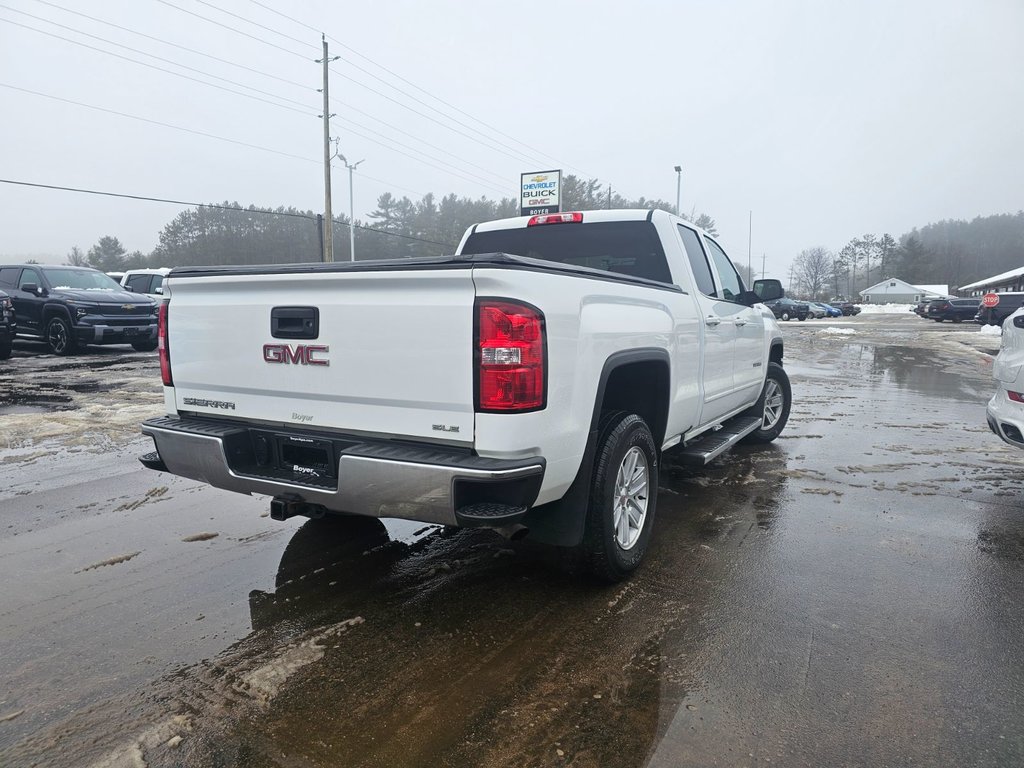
1003	283
895	291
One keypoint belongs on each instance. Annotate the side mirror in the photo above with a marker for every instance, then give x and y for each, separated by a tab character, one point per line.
32	288
127	288
158	289
749	298
767	290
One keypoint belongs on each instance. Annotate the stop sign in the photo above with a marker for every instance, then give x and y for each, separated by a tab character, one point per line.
990	299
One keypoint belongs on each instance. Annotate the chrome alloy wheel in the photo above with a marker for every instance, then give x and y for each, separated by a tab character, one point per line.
630	502
773	402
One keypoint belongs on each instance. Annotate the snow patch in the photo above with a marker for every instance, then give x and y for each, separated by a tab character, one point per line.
991	330
834	331
885	309
264	682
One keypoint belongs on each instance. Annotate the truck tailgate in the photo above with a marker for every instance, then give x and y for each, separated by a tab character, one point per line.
392	354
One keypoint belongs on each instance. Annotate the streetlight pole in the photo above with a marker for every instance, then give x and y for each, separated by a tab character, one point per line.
351	208
679	187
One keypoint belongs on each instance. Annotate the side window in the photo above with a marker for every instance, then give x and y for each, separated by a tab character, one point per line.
698	261
732	286
29	276
9	276
158	281
139	283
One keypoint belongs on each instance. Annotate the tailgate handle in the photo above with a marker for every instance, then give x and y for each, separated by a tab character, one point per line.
295	322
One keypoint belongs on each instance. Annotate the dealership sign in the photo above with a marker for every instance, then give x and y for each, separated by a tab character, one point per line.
539	192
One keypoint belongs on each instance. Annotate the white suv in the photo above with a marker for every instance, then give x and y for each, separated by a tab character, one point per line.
149	281
1006	408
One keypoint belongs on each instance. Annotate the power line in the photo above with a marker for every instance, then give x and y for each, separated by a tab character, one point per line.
161	69
414	85
149	198
178	46
493	148
255	24
365	71
229	27
195	132
157	122
464	175
243	85
501	148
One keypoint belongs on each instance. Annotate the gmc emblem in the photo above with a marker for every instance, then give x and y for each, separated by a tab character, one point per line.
300	354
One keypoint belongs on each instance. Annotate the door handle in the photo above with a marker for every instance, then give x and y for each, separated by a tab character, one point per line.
712	320
740	322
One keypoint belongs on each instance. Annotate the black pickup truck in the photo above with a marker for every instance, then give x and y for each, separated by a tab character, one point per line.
7	325
69	307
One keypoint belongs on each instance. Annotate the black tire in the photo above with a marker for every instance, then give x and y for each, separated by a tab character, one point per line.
5	349
771	428
784	316
144	346
59	337
801	319
937	319
958	319
608	559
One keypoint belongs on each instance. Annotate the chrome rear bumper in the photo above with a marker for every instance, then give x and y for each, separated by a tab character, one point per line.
429	484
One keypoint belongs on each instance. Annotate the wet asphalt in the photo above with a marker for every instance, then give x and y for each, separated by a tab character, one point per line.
847	596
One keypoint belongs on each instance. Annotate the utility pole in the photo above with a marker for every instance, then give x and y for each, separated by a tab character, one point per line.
351	208
750	239
328	216
609	197
679	188
762	267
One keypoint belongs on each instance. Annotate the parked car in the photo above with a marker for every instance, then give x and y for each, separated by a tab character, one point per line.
1008	304
785	309
68	307
7	325
848	308
828	309
1006	408
815	311
149	281
955	310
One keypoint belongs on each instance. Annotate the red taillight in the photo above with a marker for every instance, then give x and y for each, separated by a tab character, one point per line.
556	218
510	356
163	346
1016	396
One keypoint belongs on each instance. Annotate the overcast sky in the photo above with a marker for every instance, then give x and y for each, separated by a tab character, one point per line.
827	120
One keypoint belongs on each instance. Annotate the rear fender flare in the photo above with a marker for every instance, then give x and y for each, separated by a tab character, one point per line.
561	522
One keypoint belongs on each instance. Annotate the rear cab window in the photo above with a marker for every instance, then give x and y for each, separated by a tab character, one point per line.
630	248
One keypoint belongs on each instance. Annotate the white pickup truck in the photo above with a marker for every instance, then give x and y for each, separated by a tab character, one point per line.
529	383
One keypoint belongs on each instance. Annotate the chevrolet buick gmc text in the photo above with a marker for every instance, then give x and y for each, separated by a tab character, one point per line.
528	383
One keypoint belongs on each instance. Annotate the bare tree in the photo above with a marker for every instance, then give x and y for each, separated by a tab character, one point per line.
812	269
76	258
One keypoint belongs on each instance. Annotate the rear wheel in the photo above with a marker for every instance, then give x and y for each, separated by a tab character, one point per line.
144	346
772	407
784	316
59	337
623	497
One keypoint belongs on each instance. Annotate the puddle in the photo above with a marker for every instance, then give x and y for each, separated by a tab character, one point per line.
17	409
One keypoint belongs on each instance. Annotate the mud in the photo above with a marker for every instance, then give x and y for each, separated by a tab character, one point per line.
849	595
